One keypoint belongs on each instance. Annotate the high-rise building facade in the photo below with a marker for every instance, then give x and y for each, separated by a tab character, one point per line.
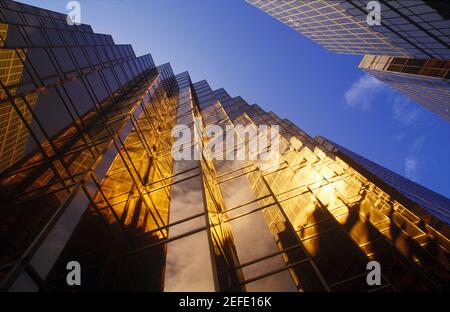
427	82
414	29
13	134
416	194
409	50
99	184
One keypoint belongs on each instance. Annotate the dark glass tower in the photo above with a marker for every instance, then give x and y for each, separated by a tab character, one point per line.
425	81
98	183
413	29
409	51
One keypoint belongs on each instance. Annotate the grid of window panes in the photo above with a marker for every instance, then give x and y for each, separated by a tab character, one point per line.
124	230
100	184
421	67
13	133
426	81
408	28
312	213
308	222
432	202
66	92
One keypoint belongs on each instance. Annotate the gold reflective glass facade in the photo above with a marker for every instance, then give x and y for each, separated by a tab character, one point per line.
67	96
326	218
13	134
99	184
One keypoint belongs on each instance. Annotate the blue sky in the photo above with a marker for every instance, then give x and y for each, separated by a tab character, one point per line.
235	46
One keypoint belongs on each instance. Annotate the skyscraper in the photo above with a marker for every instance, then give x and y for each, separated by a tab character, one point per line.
434	203
415	29
412	33
13	134
425	81
100	185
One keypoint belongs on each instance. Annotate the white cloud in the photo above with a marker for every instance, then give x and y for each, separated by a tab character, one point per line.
404	110
363	92
412	160
367	89
411	168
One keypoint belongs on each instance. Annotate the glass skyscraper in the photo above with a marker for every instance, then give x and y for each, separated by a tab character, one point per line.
97	183
425	81
409	51
415	29
434	203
